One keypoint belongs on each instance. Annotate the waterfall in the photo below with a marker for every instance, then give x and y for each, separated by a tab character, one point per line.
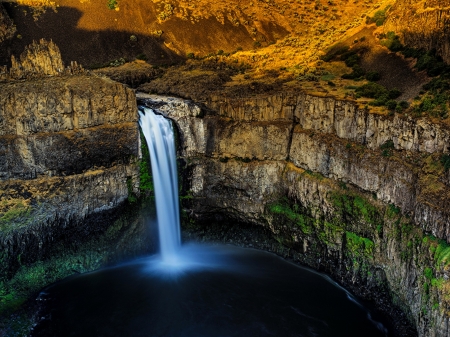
158	133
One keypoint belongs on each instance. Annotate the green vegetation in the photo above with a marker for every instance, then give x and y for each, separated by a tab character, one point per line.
18	212
392	211
145	177
434	101
382	96
445	160
131	196
359	246
391	41
378	18
440	250
428	272
387	148
355	206
142	57
112	4
303	221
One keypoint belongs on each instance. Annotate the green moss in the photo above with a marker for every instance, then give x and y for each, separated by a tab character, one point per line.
315	175
330	233
359	246
378	18
392	211
428	273
355	206
145	177
301	220
131	196
440	250
18	212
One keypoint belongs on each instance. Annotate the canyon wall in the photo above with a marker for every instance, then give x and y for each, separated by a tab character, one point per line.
360	196
69	147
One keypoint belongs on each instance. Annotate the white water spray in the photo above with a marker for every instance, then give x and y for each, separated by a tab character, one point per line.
158	133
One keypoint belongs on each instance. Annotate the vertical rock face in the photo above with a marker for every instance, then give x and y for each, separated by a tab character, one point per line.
422	24
363	197
69	146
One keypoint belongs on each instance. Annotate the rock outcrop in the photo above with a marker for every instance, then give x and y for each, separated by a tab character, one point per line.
360	196
39	59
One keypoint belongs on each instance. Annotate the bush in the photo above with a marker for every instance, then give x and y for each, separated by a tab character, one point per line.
391	104
378	18
352	60
382	96
142	57
371	90
403	105
445	160
373	76
357	73
394	93
112	4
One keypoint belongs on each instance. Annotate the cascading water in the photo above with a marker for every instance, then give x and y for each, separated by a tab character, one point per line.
158	133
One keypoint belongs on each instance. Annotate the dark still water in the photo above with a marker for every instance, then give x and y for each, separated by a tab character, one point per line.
219	291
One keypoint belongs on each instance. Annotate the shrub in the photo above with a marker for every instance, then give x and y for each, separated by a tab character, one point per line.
373	76
378	18
445	160
352	60
357	73
142	57
387	147
404	104
391	104
112	4
371	90
394	93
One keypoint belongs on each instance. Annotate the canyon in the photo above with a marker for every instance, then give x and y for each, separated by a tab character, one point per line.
306	170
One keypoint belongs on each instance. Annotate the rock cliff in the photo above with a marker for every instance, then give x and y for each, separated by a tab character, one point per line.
358	195
69	146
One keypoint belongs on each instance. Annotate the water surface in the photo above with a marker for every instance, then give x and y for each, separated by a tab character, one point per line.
215	291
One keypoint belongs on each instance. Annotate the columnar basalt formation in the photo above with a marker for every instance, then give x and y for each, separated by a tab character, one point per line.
358	195
69	146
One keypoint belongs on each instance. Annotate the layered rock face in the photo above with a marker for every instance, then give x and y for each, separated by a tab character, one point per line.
422	24
360	196
68	152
